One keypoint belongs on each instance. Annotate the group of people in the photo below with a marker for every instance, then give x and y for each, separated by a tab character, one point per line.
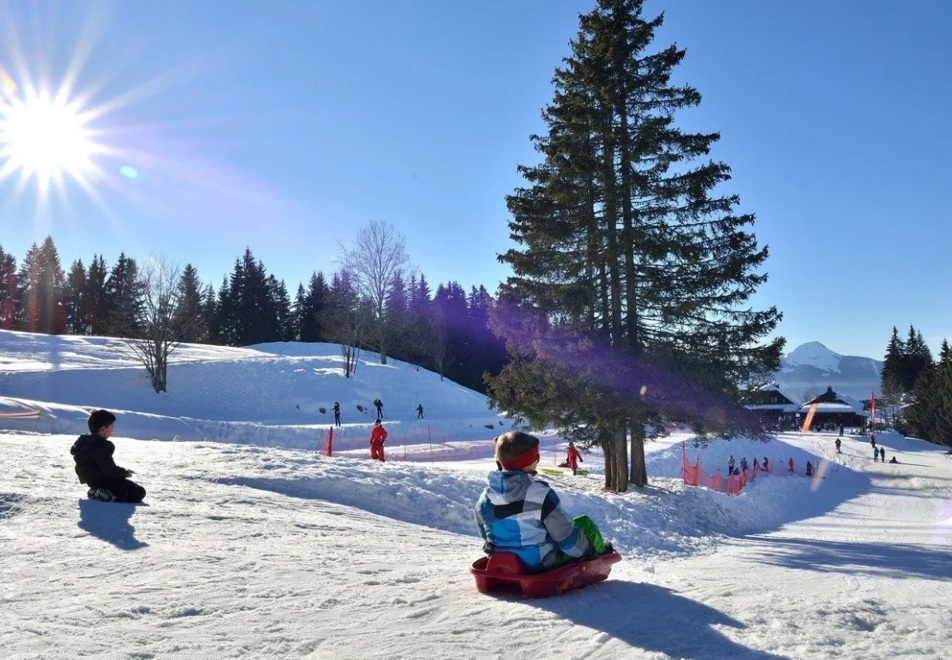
734	469
879	453
378	408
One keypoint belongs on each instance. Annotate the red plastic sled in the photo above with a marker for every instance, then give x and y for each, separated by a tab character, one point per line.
504	570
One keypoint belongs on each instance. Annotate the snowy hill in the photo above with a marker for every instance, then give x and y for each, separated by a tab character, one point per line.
812	367
282	389
249	551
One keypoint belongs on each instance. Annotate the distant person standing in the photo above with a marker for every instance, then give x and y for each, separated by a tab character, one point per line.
882	454
875	454
730	465
378	435
838	443
766	464
336	413
419	411
378	404
573	458
790	465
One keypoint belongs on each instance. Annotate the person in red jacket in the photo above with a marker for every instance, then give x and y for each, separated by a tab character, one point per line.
573	458
377	437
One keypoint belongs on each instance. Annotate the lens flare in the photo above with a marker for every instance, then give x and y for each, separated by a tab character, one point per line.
7	85
822	466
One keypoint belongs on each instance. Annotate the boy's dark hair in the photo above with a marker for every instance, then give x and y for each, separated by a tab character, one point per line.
98	419
513	444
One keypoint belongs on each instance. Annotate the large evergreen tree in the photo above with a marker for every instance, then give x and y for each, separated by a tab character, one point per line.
891	379
189	321
41	283
9	291
930	414
636	266
123	293
96	307
74	299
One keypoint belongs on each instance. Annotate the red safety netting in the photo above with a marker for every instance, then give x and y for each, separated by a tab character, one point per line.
732	484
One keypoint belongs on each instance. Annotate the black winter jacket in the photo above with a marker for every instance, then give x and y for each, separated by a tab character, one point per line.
93	457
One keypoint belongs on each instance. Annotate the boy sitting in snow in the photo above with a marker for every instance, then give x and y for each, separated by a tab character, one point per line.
518	514
94	465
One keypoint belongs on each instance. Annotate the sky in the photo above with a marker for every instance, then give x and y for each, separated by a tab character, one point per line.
252	541
286	128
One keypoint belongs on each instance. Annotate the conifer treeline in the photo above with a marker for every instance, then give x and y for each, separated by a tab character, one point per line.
445	331
918	385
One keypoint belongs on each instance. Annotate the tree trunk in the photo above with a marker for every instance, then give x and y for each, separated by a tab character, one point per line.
616	461
639	472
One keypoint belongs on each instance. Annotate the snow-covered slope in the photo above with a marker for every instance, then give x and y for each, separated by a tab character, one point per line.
249	551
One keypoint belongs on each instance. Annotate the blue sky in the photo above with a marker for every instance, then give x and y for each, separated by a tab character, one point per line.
286	126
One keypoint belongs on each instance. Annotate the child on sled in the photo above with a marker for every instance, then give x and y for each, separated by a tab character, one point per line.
518	514
572	458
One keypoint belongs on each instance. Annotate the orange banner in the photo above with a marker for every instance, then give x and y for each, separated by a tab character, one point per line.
809	419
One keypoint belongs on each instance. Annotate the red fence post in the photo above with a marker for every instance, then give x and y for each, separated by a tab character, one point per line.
330	442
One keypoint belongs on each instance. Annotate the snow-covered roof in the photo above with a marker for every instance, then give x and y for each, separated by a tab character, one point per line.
778	407
772	397
840	408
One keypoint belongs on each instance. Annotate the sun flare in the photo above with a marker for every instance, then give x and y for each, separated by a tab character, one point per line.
45	138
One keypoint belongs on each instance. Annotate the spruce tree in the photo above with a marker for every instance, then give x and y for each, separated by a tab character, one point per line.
917	358
123	293
891	378
41	281
636	267
930	414
74	299
189	323
96	308
9	292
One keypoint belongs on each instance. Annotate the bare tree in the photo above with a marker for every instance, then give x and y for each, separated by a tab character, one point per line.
345	320
153	339
378	255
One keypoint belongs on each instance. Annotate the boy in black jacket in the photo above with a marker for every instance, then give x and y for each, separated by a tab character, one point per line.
94	465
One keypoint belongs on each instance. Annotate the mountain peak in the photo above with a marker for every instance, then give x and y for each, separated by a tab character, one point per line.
814	354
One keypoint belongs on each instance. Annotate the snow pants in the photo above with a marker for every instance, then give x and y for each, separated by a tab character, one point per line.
124	489
588	527
376	451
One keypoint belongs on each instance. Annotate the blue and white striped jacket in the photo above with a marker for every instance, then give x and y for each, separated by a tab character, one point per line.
518	514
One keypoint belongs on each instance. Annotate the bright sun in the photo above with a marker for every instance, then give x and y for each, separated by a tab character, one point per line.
45	138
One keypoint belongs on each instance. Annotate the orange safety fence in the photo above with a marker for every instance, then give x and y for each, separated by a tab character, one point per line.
22	414
732	484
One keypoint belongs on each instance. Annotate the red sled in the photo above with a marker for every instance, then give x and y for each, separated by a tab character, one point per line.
504	570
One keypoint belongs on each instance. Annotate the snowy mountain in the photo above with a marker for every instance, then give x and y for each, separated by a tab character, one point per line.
810	368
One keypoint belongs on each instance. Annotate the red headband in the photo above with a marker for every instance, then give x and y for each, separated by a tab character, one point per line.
524	459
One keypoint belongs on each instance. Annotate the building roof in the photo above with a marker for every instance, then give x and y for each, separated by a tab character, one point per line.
771	397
